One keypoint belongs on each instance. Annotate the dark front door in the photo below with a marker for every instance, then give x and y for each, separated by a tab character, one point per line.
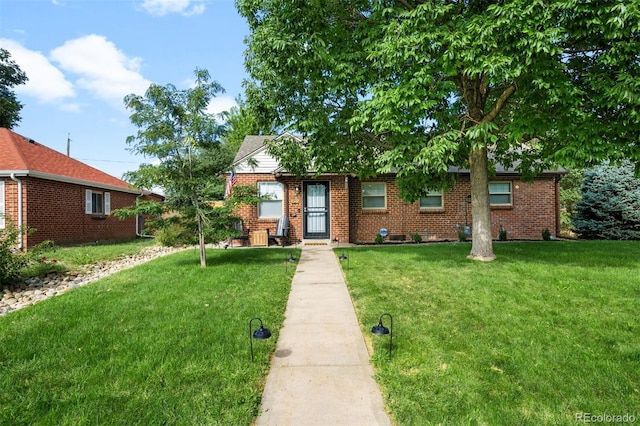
316	210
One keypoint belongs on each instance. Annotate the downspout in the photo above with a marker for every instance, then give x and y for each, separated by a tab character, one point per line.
139	234
556	181
15	179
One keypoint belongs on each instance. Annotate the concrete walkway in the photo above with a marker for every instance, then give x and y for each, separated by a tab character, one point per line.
320	374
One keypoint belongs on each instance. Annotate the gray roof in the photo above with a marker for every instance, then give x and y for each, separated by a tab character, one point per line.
249	146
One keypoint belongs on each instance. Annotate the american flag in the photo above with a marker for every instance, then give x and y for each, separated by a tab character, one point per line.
233	179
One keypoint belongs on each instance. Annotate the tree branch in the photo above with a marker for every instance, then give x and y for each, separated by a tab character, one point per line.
502	100
405	4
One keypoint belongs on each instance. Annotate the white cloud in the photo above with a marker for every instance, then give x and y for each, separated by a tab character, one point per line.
220	104
46	82
102	69
165	7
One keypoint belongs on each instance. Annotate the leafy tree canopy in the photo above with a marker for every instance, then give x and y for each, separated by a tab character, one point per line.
10	76
240	122
418	86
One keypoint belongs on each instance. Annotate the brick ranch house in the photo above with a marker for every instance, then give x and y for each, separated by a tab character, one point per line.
343	207
64	200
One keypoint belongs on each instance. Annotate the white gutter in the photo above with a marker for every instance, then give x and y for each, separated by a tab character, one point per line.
15	179
66	179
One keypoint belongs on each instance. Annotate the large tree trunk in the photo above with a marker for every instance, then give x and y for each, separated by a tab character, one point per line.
481	245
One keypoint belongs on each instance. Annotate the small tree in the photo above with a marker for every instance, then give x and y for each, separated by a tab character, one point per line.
610	205
176	130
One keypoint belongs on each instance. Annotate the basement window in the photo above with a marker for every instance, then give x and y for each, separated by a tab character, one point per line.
97	203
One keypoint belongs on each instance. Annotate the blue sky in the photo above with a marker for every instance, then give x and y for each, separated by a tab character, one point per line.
82	57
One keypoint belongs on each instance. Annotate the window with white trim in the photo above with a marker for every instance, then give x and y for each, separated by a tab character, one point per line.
2	206
374	195
273	207
432	200
500	194
97	203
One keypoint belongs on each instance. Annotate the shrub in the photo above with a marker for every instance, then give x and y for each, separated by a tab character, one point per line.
417	238
610	204
569	195
11	260
502	235
546	234
171	235
379	239
462	236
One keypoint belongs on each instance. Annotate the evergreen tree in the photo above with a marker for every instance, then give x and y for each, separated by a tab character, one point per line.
610	205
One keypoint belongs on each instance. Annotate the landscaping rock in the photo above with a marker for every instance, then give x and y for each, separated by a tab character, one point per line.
33	290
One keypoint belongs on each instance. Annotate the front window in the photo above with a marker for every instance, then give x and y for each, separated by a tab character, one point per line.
374	195
273	206
432	200
500	193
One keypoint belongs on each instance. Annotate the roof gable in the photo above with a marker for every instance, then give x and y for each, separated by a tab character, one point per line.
250	146
26	156
253	149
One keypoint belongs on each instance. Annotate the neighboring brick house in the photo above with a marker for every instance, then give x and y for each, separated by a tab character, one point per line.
343	207
64	200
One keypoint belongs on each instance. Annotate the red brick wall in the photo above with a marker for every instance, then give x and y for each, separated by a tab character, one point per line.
57	211
338	205
534	207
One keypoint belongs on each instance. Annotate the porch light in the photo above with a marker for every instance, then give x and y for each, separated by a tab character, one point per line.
259	333
381	330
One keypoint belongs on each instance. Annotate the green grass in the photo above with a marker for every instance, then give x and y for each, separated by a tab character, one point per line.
159	344
546	331
70	258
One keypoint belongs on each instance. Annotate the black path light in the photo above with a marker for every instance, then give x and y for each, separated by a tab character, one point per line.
342	256
290	259
259	333
381	330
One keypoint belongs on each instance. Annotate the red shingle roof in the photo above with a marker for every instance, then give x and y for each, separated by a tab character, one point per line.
19	154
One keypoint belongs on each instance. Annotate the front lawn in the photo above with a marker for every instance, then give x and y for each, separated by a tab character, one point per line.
544	334
159	344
